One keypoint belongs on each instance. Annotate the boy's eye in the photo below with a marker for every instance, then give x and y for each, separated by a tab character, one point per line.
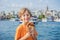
24	15
27	15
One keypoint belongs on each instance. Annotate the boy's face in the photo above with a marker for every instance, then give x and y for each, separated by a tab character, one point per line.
25	17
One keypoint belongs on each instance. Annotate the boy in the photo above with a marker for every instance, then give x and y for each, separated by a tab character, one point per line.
26	30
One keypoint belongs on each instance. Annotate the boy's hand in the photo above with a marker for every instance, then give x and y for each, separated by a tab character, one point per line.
26	36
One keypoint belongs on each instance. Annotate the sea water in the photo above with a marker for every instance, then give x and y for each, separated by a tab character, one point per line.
46	30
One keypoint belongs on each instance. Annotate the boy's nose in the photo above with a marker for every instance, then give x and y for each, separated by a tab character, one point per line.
26	16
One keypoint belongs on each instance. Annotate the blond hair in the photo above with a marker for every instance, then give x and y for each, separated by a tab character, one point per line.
22	11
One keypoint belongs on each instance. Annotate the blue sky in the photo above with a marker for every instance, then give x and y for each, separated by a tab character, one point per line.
7	5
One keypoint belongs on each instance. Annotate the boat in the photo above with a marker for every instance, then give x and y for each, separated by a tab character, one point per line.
44	20
34	20
12	19
57	20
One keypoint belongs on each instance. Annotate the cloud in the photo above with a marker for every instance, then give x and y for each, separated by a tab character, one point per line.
5	0
29	5
40	0
13	5
43	1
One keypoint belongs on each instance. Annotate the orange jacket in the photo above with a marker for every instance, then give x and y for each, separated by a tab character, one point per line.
21	31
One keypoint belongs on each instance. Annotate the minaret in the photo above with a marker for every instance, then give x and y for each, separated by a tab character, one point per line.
47	9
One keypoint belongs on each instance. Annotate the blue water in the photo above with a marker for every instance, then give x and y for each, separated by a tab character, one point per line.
46	30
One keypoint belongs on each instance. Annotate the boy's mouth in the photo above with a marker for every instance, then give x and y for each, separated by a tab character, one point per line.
26	19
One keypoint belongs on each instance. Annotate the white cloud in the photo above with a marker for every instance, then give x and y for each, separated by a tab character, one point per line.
21	5
26	5
43	1
5	0
40	0
13	5
31	4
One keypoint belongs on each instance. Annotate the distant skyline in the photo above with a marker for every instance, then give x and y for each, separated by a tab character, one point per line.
8	5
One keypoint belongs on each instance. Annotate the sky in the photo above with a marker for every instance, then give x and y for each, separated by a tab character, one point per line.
8	5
